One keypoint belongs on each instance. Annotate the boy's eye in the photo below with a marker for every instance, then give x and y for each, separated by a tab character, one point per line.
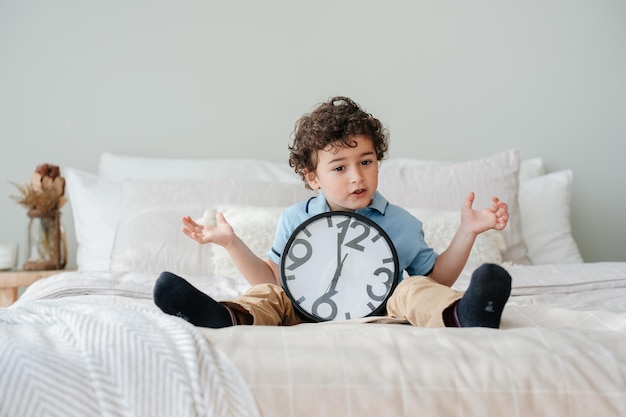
367	162
339	169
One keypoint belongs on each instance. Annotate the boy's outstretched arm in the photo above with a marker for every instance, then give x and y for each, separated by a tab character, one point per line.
254	269
451	262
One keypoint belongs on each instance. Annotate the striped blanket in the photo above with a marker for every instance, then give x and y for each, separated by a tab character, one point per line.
111	356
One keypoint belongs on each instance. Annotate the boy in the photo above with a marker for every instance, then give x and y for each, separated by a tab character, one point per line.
336	150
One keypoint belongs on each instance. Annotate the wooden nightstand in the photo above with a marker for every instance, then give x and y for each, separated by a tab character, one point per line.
10	281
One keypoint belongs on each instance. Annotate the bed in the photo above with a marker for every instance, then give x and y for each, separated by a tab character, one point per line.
91	342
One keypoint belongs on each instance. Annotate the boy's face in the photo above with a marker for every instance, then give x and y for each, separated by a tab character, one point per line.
348	177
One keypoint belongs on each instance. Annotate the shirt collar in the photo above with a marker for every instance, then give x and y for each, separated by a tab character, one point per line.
318	204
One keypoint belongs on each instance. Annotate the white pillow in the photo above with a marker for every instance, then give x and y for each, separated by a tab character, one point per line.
531	168
95	205
256	226
546	217
117	167
148	235
440	226
140	246
446	186
120	167
95	200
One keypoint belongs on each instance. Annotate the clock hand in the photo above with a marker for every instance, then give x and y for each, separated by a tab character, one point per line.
333	283
340	237
339	242
326	298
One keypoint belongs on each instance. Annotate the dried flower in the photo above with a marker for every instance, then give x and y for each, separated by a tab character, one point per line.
45	191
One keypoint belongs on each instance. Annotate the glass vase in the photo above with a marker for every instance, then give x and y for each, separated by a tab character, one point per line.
47	248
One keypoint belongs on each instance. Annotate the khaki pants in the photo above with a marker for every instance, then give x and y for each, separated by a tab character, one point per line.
418	300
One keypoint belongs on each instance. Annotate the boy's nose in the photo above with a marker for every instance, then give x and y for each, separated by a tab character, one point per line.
357	175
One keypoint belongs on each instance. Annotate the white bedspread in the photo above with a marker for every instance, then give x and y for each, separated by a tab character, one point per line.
110	354
98	342
561	352
397	370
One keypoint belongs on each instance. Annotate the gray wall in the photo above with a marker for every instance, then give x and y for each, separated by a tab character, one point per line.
452	80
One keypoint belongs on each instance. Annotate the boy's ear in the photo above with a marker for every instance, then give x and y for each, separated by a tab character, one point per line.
311	179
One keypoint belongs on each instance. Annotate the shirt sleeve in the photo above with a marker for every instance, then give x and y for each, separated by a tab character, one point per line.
415	256
280	241
287	223
424	261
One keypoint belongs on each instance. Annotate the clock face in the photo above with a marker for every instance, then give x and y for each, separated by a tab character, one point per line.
339	266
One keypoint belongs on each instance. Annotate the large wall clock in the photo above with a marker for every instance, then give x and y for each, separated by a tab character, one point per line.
339	266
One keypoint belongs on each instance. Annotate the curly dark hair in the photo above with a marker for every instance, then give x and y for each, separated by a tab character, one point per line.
333	124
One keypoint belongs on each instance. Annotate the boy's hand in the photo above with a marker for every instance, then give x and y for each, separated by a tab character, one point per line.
495	216
221	234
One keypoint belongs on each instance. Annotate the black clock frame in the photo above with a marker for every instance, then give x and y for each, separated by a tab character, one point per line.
359	217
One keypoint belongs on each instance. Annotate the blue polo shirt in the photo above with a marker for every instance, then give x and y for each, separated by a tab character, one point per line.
405	231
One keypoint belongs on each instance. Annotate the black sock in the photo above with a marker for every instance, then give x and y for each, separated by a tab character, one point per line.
175	296
484	300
